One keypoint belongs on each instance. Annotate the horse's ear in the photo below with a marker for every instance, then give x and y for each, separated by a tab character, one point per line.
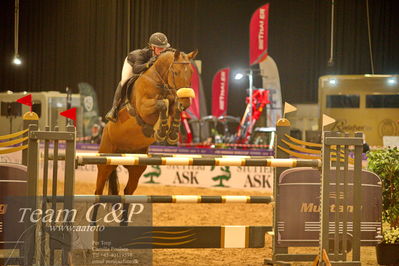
193	54
177	54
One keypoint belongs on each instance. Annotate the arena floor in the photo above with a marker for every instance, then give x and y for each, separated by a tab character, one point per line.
212	214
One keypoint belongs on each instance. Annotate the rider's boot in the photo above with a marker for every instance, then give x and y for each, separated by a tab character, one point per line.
112	115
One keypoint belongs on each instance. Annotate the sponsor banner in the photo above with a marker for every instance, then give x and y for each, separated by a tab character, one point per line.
89	103
194	108
240	177
271	82
258	37
220	89
298	217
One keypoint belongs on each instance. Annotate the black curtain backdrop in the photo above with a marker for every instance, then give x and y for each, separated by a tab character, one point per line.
65	42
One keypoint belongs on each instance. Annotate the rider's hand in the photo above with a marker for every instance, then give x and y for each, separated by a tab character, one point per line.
151	61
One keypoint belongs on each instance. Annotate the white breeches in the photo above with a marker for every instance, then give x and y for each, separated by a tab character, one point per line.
127	72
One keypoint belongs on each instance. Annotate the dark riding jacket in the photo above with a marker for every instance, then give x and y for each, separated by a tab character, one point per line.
138	59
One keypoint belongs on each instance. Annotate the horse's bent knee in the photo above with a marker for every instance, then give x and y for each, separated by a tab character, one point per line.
161	106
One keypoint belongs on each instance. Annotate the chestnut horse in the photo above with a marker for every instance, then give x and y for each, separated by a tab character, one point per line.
152	113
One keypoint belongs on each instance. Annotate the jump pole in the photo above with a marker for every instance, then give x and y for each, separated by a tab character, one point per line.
230	161
166	199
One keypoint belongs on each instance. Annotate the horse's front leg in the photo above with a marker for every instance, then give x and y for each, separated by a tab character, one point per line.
161	126
180	105
151	110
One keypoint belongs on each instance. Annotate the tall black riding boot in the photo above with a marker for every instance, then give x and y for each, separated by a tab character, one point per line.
112	115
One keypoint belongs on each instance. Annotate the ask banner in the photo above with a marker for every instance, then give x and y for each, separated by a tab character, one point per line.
220	89
259	35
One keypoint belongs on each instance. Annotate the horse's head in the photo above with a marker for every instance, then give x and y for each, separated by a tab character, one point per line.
176	68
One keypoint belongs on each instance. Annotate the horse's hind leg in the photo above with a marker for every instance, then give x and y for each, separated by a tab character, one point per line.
103	173
134	176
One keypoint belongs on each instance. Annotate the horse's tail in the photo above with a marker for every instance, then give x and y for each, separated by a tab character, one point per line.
113	183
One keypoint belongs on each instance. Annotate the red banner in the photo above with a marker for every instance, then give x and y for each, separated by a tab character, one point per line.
220	90
259	35
195	85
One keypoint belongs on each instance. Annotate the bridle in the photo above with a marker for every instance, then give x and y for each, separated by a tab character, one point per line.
174	73
166	85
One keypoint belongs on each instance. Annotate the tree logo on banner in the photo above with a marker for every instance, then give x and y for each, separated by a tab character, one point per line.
156	172
223	177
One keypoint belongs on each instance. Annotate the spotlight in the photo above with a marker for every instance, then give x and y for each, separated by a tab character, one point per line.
391	81
332	82
238	76
17	61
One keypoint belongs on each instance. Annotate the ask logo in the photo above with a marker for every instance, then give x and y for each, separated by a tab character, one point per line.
258	181
186	177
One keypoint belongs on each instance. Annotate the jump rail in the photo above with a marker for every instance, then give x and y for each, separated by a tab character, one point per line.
167	199
229	161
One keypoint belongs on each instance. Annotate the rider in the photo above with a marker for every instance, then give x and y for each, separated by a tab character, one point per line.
135	63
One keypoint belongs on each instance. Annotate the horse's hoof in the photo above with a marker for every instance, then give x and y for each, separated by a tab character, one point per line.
159	137
185	92
172	142
172	139
148	131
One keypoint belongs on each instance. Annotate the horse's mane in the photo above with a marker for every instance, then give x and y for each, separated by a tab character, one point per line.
170	49
165	52
164	60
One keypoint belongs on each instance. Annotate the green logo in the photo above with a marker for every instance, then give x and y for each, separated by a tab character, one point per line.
155	173
223	177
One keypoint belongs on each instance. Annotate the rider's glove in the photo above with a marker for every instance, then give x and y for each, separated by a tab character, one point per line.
151	61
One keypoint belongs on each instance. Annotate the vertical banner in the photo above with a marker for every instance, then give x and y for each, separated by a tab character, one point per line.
194	108
220	89
89	103
258	35
271	82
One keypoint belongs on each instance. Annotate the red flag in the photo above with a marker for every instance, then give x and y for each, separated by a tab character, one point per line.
195	85
259	35
220	89
27	100
71	114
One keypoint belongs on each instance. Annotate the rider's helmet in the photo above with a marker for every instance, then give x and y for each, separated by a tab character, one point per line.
159	39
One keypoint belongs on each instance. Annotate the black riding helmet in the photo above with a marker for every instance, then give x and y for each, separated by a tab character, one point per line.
159	39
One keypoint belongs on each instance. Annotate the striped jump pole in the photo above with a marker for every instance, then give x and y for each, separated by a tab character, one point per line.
166	199
61	156
181	155
228	161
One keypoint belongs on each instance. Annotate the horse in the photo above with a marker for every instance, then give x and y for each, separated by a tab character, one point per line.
152	113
